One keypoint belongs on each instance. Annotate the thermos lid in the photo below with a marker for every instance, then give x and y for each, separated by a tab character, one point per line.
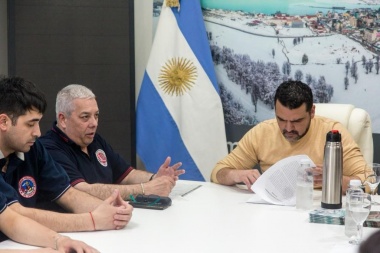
333	136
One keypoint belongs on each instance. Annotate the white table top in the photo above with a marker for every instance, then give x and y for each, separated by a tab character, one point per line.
215	218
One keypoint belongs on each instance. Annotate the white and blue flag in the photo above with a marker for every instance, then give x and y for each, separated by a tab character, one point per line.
179	110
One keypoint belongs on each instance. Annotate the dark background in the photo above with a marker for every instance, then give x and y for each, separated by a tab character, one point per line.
54	43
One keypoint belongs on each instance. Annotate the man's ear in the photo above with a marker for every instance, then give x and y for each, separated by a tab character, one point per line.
4	119
61	120
312	111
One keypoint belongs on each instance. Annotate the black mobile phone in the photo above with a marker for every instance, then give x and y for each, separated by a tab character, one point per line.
151	202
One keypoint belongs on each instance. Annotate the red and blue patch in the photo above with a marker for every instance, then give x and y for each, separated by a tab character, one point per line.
27	187
101	156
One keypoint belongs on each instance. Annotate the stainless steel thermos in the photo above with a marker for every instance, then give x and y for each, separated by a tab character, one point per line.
332	171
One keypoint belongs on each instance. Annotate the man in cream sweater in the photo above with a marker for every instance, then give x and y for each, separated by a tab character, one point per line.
295	130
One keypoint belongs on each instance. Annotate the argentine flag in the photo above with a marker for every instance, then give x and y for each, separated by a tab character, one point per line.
179	110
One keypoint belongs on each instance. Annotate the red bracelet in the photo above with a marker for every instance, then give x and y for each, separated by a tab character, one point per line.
93	221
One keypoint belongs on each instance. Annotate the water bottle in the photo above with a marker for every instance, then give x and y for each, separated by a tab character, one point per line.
350	227
304	191
332	171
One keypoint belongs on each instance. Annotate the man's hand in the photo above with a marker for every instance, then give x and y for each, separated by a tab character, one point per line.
42	250
67	245
161	186
169	171
113	213
248	177
317	174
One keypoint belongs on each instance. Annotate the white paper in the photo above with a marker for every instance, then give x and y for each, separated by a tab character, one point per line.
277	185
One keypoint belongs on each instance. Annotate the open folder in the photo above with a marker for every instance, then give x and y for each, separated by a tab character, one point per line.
277	185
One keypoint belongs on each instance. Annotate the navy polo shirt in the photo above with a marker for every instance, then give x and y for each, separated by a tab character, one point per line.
101	165
35	177
3	205
7	192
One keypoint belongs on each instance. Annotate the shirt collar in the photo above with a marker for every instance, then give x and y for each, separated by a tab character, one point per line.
61	134
20	155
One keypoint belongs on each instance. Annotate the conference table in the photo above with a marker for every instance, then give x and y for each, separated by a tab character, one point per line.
207	217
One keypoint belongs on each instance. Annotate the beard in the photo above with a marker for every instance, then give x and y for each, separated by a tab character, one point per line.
293	136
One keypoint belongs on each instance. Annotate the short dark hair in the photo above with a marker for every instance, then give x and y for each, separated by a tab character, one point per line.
17	96
292	94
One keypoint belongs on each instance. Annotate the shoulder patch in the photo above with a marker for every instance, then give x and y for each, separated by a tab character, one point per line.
101	156
27	187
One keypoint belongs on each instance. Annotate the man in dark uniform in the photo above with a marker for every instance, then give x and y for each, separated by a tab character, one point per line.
90	162
34	175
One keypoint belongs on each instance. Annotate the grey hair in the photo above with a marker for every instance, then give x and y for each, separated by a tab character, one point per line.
64	102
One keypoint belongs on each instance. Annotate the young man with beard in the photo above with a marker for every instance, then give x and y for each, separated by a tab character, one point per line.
295	130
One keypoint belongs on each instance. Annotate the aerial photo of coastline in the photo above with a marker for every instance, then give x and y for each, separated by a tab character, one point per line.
334	46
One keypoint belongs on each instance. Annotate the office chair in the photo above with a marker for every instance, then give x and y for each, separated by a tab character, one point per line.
356	120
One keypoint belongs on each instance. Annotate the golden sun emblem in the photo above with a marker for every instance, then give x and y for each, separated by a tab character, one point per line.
177	76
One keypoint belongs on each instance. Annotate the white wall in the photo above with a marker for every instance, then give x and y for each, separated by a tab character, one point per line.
143	38
3	38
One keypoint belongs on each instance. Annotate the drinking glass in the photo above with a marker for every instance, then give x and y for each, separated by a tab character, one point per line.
359	206
373	179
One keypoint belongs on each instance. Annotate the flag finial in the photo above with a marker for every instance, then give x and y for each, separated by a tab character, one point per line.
172	3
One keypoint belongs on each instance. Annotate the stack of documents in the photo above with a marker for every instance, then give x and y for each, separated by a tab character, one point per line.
327	216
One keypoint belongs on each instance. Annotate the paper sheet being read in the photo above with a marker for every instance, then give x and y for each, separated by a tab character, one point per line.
277	185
